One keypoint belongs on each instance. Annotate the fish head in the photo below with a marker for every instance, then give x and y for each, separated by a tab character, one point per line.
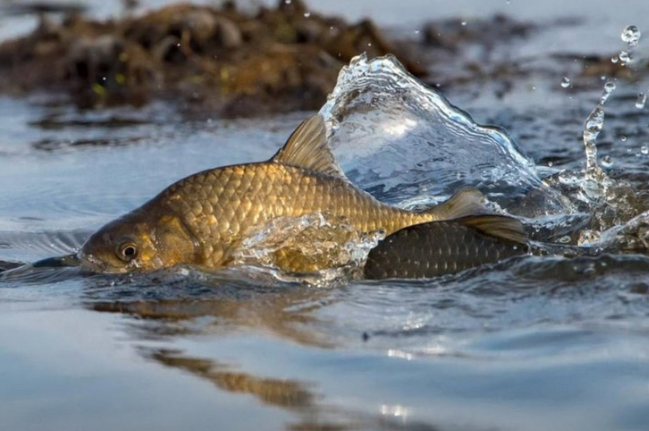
139	243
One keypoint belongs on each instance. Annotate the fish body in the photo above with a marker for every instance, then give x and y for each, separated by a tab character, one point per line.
445	247
222	207
205	218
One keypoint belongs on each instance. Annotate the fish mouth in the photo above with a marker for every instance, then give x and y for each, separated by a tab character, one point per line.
59	262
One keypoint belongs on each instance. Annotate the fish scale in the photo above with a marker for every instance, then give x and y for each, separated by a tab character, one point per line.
240	203
439	248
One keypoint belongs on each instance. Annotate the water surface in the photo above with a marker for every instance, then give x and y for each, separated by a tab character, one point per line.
534	344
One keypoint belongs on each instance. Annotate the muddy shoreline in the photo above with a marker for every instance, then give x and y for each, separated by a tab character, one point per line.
234	63
219	58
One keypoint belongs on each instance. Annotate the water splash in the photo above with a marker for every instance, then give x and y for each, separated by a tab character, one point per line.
329	249
407	145
596	179
641	100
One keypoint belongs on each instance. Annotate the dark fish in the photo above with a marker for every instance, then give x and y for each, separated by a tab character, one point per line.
445	247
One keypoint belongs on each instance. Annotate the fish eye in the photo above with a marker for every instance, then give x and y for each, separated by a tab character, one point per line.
127	251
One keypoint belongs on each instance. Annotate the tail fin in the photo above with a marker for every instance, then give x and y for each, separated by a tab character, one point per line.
467	202
497	226
468	207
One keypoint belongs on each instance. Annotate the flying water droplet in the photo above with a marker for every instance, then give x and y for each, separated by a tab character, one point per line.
644	150
463	23
307	14
623	138
609	87
614	60
625	58
565	82
631	36
640	102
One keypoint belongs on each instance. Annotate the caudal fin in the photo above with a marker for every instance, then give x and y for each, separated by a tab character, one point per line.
468	207
497	226
467	202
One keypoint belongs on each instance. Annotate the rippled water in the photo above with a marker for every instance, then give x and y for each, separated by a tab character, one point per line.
541	342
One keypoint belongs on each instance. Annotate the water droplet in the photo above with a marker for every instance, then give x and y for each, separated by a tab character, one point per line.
623	138
463	23
564	239
641	100
369	43
595	121
625	57
644	150
607	161
631	35
307	14
565	82
609	87
614	59
287	1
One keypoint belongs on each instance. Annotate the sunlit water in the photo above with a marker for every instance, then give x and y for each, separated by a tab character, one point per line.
536	343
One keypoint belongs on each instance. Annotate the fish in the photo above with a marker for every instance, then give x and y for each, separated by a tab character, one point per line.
438	248
204	219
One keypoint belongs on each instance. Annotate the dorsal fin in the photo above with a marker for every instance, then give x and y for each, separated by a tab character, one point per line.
469	201
307	148
498	226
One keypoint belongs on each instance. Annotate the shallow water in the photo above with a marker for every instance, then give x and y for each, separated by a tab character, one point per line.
534	344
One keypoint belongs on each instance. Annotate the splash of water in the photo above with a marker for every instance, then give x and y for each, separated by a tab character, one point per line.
408	146
610	201
328	249
596	181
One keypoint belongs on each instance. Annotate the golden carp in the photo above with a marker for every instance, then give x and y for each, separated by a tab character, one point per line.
204	219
